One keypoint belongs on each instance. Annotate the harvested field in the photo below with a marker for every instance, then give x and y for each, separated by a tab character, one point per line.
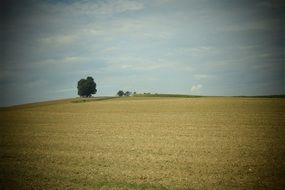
144	143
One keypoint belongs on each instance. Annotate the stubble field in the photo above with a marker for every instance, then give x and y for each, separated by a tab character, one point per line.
144	143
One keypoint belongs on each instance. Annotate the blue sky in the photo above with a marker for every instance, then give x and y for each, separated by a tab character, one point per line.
221	47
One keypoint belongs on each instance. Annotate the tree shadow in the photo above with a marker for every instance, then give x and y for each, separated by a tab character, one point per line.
83	100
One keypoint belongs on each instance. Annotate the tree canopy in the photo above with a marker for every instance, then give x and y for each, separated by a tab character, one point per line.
86	87
127	93
120	93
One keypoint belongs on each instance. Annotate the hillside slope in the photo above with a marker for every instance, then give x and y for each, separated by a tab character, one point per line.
144	143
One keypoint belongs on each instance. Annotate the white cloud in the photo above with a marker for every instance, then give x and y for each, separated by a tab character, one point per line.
58	40
201	76
196	88
65	90
138	63
247	26
96	8
154	29
65	60
119	6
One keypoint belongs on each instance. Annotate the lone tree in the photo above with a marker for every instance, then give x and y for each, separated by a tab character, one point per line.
86	87
120	93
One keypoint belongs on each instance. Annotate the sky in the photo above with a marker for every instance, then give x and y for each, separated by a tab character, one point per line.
199	47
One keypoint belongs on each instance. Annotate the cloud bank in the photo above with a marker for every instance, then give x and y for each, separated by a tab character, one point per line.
144	46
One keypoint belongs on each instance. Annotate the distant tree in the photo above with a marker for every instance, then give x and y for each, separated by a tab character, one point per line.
128	93
86	87
120	93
